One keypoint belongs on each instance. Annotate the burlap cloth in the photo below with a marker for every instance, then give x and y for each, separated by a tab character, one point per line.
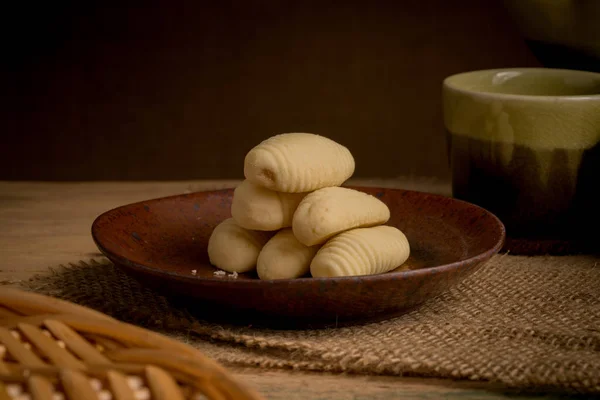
528	323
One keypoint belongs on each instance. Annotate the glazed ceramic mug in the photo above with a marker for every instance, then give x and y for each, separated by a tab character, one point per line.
524	143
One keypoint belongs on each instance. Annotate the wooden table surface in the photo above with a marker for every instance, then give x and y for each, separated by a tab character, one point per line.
46	224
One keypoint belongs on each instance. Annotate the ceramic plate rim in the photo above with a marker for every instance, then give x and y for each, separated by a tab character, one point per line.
486	255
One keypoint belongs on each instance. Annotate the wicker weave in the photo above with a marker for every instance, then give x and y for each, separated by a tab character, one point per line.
52	350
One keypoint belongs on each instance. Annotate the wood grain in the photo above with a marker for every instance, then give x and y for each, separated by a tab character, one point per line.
305	385
46	224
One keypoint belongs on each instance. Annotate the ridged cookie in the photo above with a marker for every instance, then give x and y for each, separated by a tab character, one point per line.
235	249
298	162
257	208
284	257
329	211
361	251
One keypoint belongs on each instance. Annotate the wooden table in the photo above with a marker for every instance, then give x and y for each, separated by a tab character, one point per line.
47	224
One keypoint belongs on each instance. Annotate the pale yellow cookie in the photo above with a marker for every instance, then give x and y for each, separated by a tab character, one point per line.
298	162
284	257
235	249
329	211
361	251
257	208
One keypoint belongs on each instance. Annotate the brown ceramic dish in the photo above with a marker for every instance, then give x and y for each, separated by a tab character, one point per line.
162	241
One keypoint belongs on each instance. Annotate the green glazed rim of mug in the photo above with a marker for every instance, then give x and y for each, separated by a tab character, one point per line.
536	84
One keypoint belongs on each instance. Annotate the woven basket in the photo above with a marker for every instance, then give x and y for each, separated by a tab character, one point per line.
55	350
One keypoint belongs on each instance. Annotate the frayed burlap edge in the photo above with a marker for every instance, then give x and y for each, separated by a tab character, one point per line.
87	283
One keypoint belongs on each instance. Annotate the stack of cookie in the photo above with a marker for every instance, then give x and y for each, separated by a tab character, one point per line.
290	216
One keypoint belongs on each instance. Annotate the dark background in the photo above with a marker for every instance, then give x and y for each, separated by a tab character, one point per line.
182	90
